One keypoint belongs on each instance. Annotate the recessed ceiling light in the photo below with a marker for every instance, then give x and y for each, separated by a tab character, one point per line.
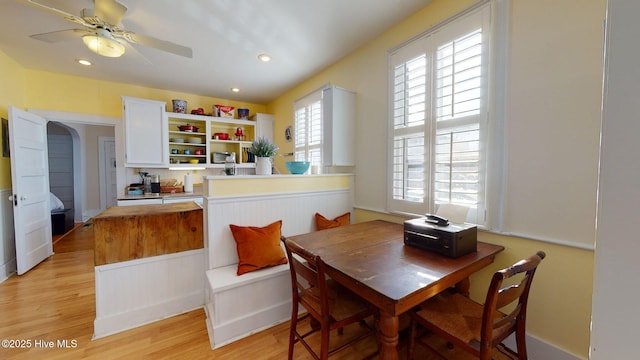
264	57
235	89
84	62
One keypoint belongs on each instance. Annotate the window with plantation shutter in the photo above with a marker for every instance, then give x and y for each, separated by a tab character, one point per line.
308	128
438	91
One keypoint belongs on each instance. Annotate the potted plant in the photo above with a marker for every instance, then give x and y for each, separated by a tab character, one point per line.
263	150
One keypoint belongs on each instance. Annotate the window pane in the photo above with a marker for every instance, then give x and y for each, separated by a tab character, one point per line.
315	124
457	159
437	99
308	132
410	93
408	169
458	78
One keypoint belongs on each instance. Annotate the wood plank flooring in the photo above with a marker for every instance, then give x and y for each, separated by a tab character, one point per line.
49	312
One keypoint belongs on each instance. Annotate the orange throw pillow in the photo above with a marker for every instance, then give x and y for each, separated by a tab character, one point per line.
258	247
324	223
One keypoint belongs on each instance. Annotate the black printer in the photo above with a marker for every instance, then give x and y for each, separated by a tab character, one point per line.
438	235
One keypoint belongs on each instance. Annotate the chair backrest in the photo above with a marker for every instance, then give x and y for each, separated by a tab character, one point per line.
495	330
308	280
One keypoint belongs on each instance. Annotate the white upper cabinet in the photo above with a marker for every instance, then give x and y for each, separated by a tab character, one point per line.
146	133
338	122
264	126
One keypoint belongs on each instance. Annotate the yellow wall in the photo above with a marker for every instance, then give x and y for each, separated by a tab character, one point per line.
32	89
560	304
52	91
12	93
246	186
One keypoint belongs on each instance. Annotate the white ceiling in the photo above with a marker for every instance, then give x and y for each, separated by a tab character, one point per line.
302	36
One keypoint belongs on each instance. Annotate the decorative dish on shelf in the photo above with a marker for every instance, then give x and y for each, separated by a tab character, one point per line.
188	128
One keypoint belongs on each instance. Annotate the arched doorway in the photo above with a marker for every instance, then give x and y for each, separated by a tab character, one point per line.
61	166
76	166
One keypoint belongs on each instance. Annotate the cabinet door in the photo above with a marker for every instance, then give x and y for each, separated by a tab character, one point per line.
264	126
146	131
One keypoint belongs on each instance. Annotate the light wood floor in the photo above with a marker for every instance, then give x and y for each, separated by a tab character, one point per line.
55	302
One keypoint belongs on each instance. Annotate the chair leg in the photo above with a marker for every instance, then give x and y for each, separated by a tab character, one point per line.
412	340
324	342
521	344
292	330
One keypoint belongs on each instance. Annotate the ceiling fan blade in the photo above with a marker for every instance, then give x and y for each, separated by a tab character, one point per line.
62	35
58	12
110	11
131	52
158	44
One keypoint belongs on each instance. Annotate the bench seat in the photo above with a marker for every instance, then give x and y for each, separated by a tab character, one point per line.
242	305
238	306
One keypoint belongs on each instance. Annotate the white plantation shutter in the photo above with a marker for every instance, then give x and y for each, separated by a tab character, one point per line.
438	121
308	128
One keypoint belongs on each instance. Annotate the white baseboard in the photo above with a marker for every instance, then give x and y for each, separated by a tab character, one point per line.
7	270
538	349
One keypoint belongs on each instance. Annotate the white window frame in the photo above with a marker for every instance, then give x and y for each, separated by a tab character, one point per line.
308	128
427	42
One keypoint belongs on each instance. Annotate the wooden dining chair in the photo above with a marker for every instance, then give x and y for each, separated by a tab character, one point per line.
329	305
476	328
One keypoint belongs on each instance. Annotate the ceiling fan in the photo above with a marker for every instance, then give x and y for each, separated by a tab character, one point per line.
103	32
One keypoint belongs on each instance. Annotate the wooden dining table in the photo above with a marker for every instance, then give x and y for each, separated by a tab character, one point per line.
370	259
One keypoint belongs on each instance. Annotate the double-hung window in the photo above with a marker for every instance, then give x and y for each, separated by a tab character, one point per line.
438	118
308	128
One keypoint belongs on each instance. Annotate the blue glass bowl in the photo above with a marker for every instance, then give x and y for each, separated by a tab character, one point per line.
298	167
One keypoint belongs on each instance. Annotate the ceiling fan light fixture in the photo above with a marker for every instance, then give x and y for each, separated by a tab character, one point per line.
102	43
264	57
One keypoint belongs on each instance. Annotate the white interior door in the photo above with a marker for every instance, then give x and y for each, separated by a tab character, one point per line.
30	184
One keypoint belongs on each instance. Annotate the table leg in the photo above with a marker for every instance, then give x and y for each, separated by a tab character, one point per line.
388	337
463	287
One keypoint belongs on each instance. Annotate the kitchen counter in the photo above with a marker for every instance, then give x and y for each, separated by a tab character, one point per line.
243	185
125	233
197	193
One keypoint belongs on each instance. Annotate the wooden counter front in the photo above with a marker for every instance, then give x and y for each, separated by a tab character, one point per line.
125	233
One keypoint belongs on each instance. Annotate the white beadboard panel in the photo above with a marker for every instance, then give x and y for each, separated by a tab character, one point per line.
234	311
296	210
7	237
133	293
238	306
250	306
233	302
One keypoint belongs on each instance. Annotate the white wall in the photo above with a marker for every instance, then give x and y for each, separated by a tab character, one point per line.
615	315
